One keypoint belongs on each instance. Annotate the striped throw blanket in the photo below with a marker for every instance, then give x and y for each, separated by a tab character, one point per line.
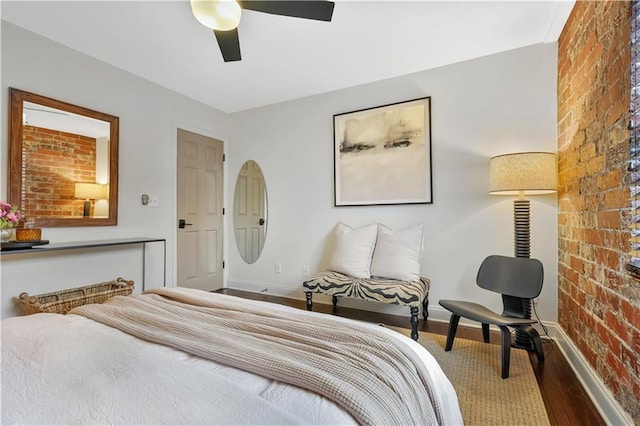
375	380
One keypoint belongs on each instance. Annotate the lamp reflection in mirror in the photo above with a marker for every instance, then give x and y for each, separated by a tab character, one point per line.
525	173
90	191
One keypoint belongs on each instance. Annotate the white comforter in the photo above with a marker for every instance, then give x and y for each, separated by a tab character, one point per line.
69	369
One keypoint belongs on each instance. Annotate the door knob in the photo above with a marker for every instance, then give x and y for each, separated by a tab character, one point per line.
261	221
182	223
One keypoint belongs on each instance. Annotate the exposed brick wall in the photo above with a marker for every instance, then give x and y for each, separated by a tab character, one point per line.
598	301
56	161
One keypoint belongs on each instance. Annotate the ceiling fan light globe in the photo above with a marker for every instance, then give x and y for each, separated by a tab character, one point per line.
222	15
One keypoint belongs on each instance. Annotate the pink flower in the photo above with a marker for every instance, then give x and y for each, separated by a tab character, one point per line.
13	217
9	216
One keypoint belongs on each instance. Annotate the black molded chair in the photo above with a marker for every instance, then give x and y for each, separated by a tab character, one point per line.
516	278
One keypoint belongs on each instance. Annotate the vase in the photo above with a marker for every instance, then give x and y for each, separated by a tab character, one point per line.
6	234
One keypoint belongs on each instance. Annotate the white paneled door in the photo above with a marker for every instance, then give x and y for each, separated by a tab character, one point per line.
199	211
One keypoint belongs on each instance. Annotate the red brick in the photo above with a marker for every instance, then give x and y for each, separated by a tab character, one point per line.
636	390
594	236
630	313
577	264
618	328
618	369
609	180
630	358
606	337
609	219
608	258
616	199
613	280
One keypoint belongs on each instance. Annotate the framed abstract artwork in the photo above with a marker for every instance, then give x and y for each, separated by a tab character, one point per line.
382	155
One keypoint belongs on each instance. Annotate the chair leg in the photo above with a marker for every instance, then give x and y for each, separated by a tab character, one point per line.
425	308
485	332
414	322
334	298
309	301
506	350
451	334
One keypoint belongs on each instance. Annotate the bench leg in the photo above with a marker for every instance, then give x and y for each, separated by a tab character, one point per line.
414	322
425	309
451	334
309	299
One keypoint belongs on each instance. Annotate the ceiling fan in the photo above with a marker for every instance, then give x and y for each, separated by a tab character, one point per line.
223	17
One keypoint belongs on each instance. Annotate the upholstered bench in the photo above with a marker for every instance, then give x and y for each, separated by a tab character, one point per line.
384	290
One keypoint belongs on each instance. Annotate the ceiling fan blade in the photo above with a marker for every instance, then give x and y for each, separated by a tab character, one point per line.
229	44
319	10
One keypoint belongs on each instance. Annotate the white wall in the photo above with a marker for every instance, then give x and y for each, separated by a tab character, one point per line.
480	108
149	116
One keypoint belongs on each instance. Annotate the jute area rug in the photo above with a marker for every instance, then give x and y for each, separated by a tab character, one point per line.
486	399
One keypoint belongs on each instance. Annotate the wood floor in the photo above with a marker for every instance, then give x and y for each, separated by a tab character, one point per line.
565	399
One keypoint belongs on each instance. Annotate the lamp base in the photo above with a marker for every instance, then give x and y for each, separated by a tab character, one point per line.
522	227
523	340
522	248
86	211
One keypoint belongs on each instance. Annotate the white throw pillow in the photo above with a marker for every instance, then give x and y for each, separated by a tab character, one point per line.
397	254
353	250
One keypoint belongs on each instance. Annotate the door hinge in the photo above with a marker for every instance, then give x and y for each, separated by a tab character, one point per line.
224	157
223	264
223	210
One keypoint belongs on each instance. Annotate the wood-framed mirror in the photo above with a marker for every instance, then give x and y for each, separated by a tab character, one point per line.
63	162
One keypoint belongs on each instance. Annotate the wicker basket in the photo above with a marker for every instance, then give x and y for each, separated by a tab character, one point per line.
60	302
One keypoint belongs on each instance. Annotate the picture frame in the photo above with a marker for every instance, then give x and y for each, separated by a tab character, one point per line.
382	155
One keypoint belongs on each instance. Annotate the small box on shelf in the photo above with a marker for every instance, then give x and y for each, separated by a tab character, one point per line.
28	234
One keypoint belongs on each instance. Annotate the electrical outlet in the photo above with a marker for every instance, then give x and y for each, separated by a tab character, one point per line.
278	267
305	271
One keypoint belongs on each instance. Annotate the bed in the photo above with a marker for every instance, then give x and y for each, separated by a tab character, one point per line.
183	356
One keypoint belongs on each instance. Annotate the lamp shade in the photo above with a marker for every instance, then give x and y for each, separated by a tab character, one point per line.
523	173
222	15
91	191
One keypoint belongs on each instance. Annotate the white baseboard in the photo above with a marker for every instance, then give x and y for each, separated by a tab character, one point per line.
269	288
601	396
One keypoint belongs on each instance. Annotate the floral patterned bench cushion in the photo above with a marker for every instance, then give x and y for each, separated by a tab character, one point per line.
408	293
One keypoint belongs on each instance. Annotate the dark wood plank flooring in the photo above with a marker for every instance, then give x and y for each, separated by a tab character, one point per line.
565	399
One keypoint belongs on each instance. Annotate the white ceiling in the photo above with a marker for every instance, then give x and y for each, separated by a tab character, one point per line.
287	58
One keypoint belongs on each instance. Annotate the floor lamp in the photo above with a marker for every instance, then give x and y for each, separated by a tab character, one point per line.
525	173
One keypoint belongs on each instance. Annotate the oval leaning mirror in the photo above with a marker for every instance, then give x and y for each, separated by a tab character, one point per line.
250	211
